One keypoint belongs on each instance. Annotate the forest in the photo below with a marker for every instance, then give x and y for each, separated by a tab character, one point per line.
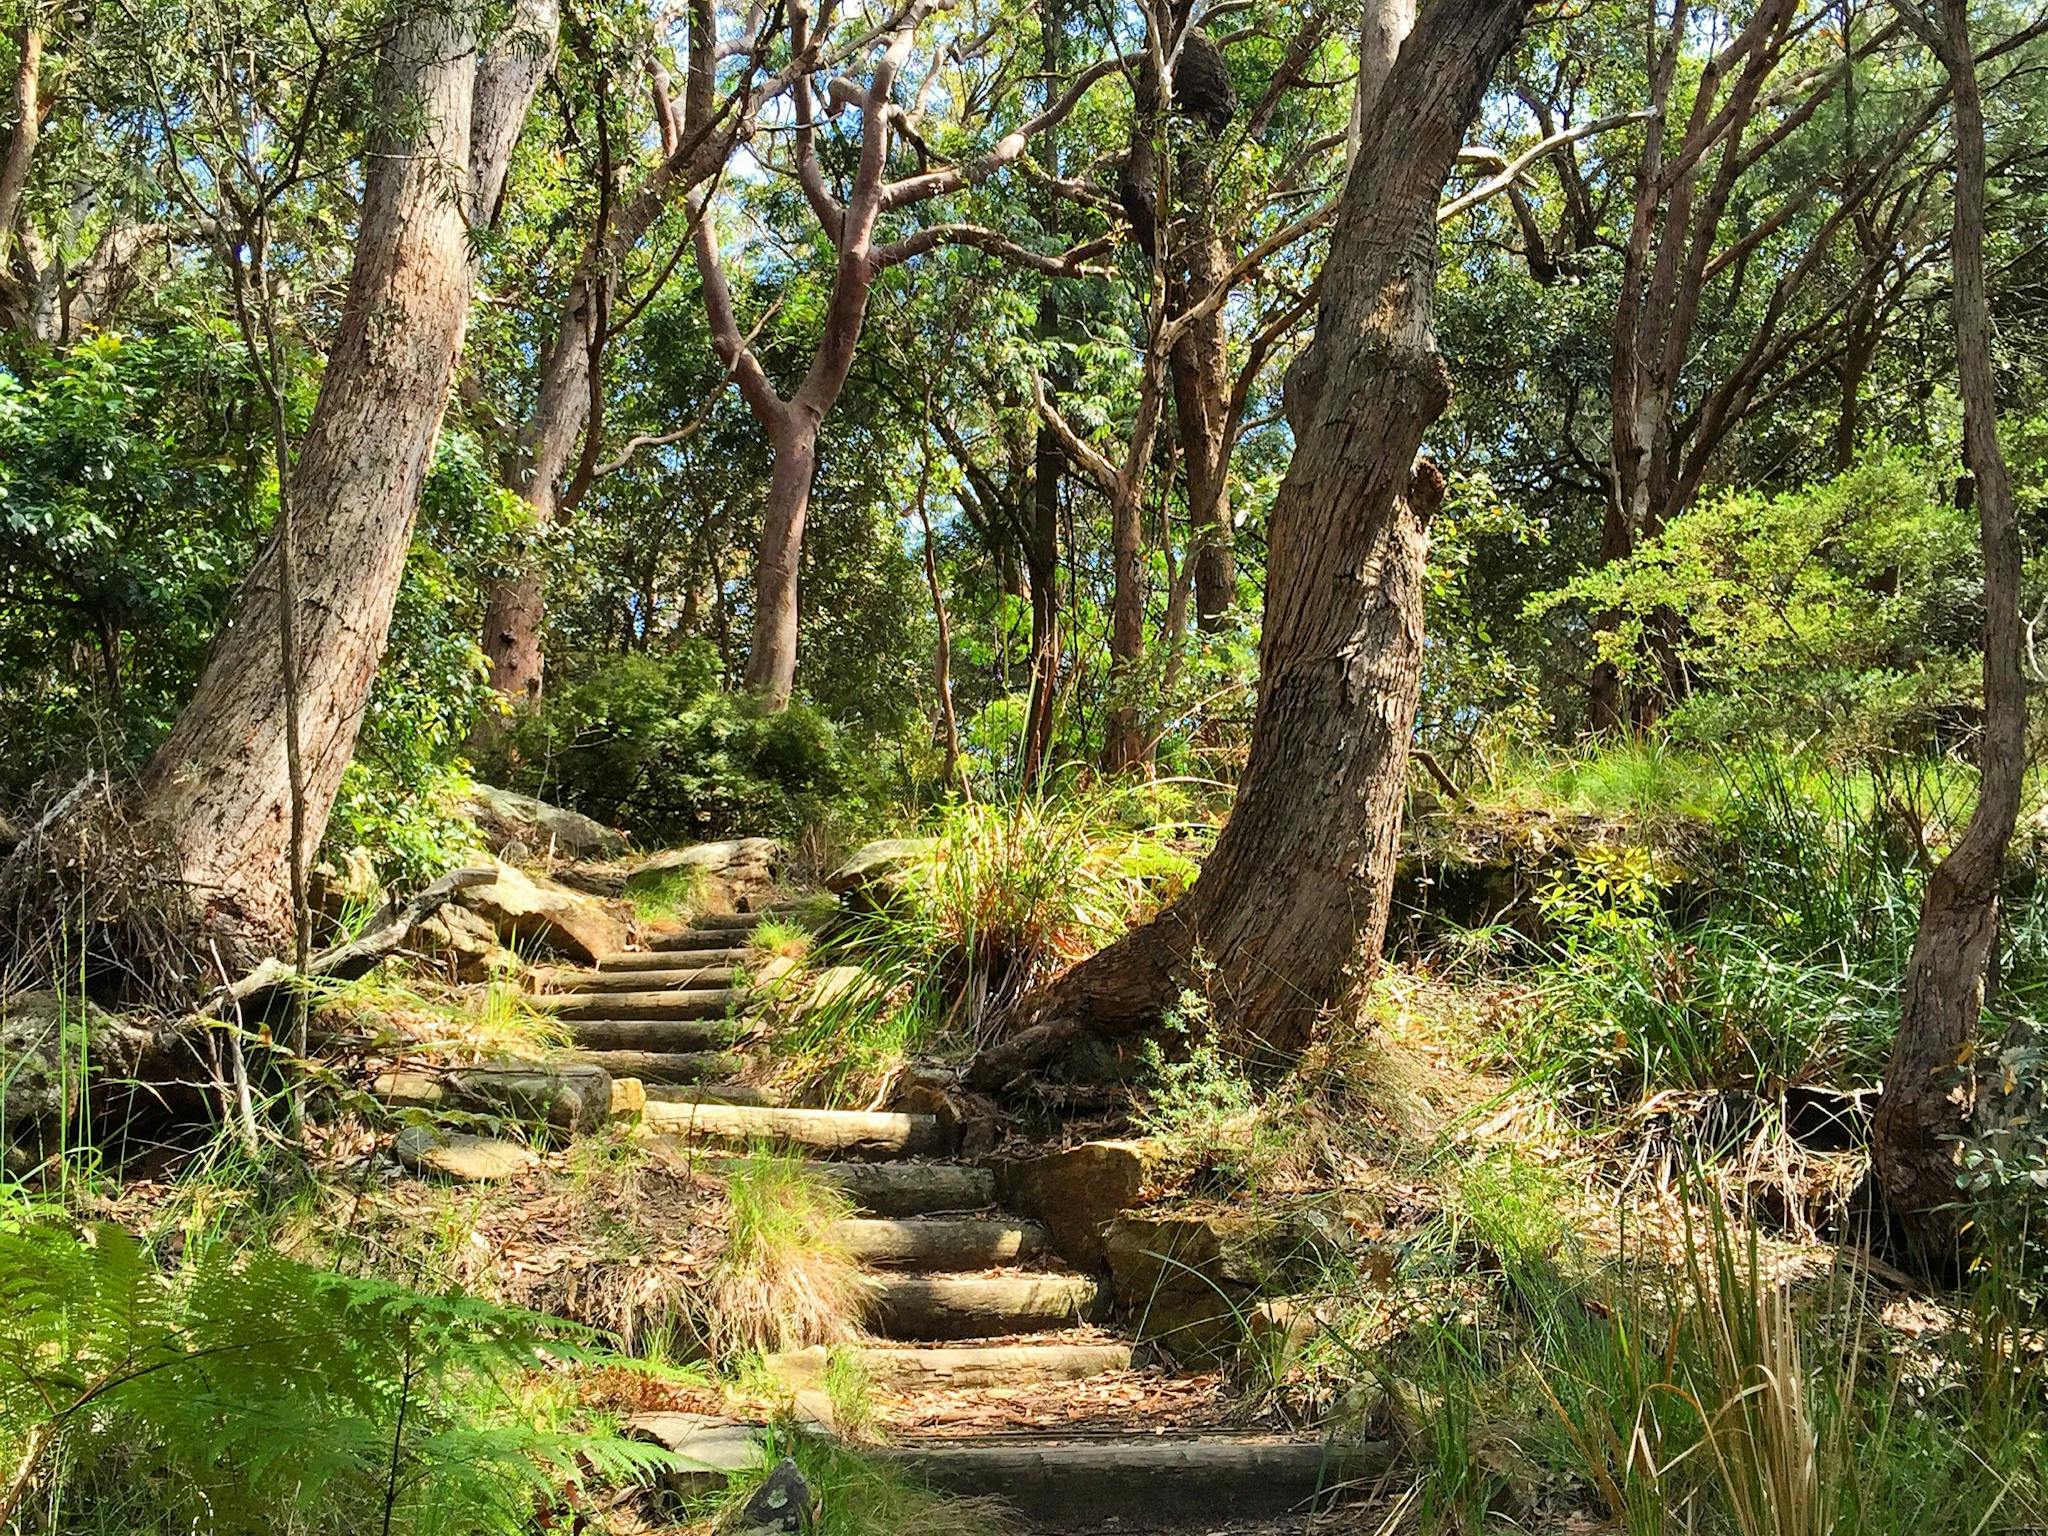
936	767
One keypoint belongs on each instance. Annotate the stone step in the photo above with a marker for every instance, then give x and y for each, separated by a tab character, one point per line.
696	978
657	1068
664	1037
849	1133
941	1242
1147	1481
982	1306
902	1188
668	959
936	1367
709	1004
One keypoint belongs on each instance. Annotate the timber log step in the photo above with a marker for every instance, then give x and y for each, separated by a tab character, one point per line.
941	1242
696	978
713	1093
663	1037
708	1004
625	960
659	1069
1077	1481
975	1366
951	1307
901	1188
853	1133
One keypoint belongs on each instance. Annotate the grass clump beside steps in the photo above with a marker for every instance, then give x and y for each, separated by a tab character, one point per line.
1010	894
782	1279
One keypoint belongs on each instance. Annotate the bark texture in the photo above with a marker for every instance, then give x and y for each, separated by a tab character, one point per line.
218	786
1929	1092
1299	882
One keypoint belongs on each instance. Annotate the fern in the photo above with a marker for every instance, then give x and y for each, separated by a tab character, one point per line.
247	1394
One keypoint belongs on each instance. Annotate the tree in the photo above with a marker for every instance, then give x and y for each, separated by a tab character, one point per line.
556	450
849	224
1928	1095
1300	880
219	787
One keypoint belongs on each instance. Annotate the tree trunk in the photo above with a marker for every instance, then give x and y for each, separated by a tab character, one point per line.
1042	545
20	151
1300	880
771	658
217	787
1929	1092
1201	401
515	604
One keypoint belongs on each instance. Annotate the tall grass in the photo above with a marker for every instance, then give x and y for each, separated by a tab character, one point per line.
1010	895
782	1279
1689	1382
1776	966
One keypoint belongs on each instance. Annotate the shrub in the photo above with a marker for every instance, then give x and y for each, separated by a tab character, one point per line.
647	742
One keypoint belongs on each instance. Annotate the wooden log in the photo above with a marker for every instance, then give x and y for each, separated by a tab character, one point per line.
726	940
982	1306
664	1067
937	1367
1078	1481
941	1242
715	1093
664	1036
911	1189
667	959
640	1005
694	978
840	1132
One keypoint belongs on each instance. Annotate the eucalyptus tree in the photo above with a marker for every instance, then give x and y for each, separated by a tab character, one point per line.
1301	877
241	787
963	70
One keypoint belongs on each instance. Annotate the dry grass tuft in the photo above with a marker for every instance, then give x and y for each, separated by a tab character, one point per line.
782	1280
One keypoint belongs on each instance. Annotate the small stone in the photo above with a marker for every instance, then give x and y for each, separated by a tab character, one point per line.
782	1506
629	1098
463	1158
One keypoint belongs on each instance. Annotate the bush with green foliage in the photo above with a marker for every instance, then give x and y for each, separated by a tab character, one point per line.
1852	603
648	742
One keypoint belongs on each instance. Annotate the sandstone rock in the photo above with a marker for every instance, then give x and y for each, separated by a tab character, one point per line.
459	1156
565	1099
1185	1279
740	874
466	941
837	985
42	1087
535	827
1075	1194
629	1098
874	874
782	1506
64	1062
352	886
546	914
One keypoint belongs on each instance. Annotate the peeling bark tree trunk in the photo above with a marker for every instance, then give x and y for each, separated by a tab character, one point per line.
1929	1095
1299	882
217	787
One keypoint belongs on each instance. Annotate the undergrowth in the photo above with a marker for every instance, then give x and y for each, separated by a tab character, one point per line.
241	1392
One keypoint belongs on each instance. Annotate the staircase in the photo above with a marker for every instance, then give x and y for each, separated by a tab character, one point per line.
970	1309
